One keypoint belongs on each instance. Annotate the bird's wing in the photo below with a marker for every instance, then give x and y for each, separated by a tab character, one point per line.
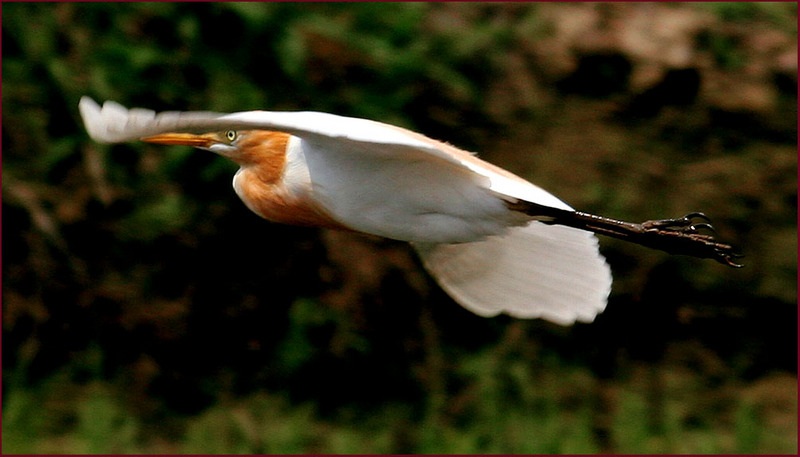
536	271
113	123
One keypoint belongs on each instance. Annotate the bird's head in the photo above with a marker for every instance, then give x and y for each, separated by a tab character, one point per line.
245	147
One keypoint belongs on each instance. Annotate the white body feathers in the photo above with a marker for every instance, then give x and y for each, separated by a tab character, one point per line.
388	181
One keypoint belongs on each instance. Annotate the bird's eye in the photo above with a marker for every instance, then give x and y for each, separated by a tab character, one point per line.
230	135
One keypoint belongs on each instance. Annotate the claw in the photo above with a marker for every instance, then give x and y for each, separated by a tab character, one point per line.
703	225
698	215
727	258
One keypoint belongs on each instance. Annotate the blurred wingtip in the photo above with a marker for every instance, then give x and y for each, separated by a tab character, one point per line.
91	115
111	122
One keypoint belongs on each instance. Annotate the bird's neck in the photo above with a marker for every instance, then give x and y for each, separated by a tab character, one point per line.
274	183
264	152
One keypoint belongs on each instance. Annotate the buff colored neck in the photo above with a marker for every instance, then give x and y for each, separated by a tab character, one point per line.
260	182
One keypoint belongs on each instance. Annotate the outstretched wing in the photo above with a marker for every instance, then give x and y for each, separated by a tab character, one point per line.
113	123
536	271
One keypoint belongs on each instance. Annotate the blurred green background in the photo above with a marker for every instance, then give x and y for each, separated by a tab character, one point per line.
146	310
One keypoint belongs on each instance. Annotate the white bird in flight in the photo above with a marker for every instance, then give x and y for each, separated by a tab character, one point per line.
495	242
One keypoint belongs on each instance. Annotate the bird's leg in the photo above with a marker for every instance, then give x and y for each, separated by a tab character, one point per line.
676	236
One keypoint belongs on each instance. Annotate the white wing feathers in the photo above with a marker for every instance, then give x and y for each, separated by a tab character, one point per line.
536	271
113	123
551	272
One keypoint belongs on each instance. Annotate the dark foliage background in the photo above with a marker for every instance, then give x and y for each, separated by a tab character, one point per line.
145	309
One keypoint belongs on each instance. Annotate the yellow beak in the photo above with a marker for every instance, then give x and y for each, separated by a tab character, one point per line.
186	139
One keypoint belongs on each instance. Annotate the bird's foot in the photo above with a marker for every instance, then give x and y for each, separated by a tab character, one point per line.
686	221
683	236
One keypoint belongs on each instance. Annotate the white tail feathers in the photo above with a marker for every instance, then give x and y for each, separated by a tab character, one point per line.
537	271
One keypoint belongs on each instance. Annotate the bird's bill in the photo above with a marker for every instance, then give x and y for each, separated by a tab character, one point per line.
186	139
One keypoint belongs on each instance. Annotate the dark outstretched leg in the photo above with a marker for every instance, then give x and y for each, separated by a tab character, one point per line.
676	236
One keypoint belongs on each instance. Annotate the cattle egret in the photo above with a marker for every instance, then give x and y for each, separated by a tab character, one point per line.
493	241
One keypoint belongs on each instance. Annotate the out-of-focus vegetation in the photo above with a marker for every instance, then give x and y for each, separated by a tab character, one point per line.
146	310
